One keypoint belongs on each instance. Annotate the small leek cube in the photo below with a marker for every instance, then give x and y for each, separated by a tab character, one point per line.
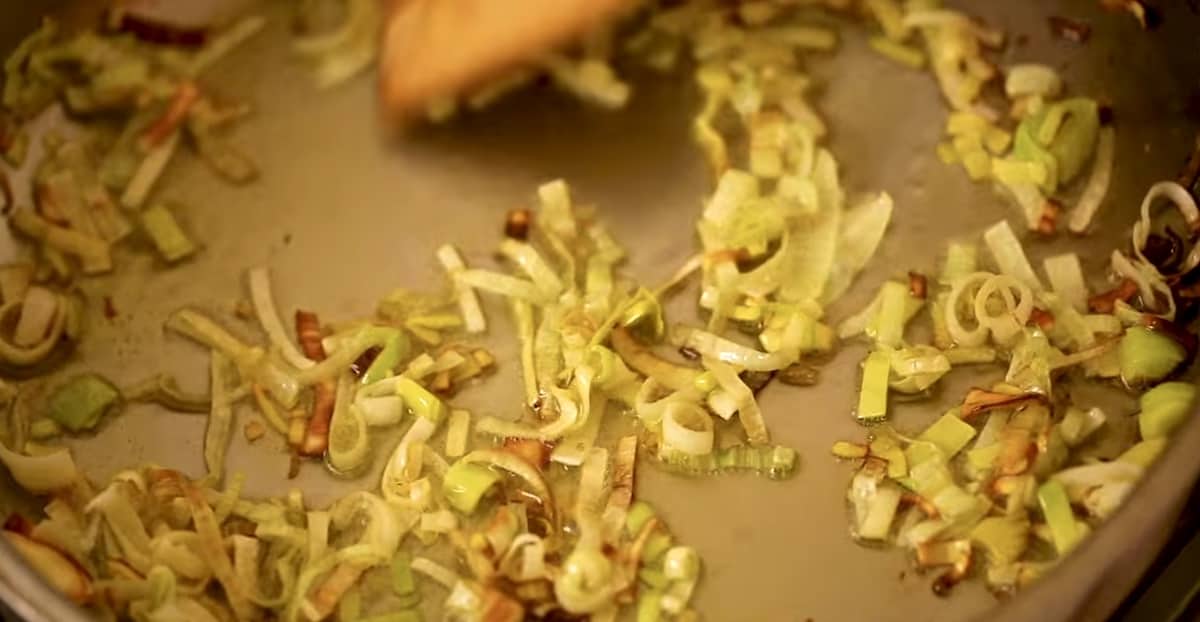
81	402
872	399
466	483
166	234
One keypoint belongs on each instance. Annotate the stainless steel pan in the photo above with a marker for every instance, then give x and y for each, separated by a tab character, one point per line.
342	216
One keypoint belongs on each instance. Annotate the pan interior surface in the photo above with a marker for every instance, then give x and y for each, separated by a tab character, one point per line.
342	215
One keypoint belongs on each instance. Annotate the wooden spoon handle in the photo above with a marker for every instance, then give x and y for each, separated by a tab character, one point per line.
433	48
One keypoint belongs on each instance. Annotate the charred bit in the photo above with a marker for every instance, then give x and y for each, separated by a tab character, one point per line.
918	285
516	224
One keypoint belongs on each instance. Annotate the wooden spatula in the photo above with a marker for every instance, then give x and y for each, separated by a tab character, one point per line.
433	48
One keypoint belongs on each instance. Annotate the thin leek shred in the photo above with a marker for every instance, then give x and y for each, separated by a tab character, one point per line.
268	317
219	430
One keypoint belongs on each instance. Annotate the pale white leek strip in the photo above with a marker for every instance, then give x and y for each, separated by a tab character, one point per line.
457	432
574	445
721	349
748	411
523	318
93	253
814	242
468	301
570	416
1009	255
268	317
590	79
621	487
318	534
217	432
857	323
435	571
533	558
862	231
438	521
502	284
532	264
890	16
382	410
1183	201
592	490
148	172
1151	286
1066	279
39	309
1096	189
225	43
689	267
394	482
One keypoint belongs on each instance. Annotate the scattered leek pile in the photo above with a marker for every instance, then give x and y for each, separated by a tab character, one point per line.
531	539
129	103
1013	476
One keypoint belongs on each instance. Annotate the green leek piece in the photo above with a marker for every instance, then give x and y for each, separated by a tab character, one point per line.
981	459
649	606
1144	453
872	398
166	234
1165	408
962	259
880	512
466	483
929	478
81	402
773	461
656	547
1056	507
1075	139
654	578
1147	356
1026	147
957	505
949	435
419	400
43	429
403	583
637	517
350	606
388	359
